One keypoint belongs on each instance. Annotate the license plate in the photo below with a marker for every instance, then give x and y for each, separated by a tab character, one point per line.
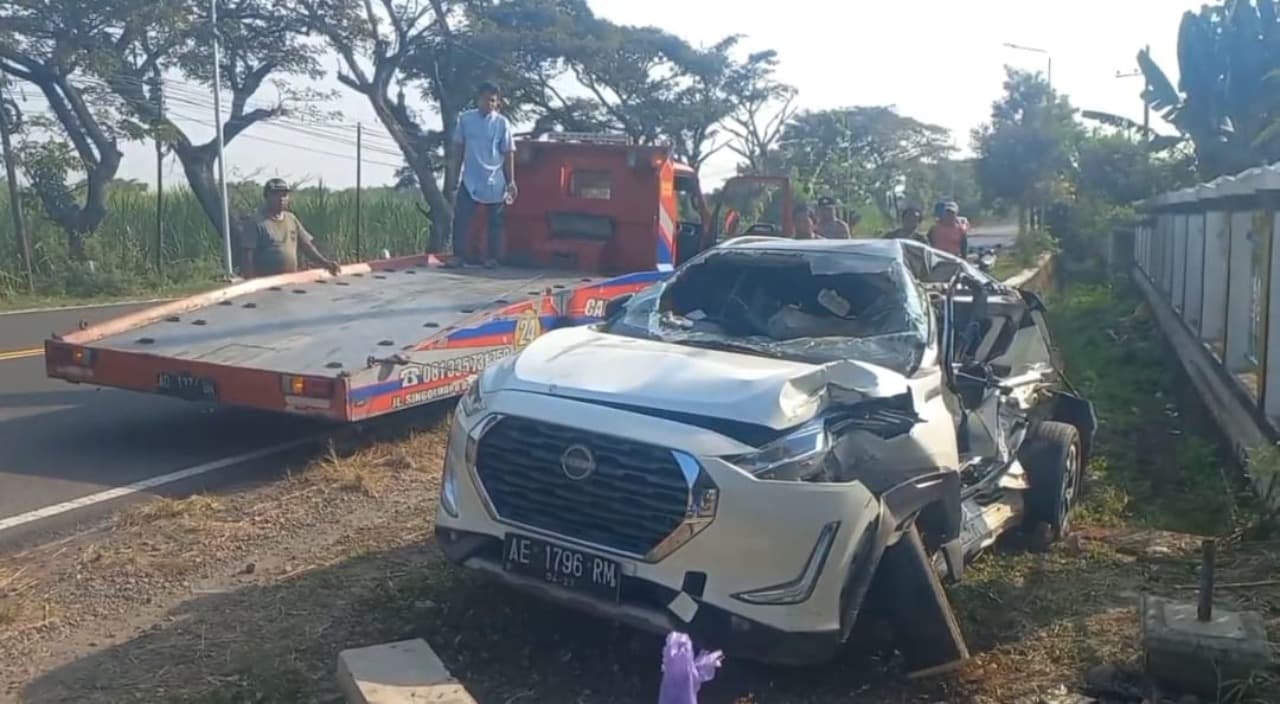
569	568
186	386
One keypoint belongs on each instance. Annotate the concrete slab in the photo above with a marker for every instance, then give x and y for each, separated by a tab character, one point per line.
1201	656
398	673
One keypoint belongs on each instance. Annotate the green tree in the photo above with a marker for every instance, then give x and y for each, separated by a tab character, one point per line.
437	51
654	86
39	45
259	47
860	154
1026	153
756	125
120	49
947	179
1227	102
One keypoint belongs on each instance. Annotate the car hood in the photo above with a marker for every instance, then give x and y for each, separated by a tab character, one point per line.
586	364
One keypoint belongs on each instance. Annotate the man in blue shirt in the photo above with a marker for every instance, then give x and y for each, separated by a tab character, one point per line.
486	158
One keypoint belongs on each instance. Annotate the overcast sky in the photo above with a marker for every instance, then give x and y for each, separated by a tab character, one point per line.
940	61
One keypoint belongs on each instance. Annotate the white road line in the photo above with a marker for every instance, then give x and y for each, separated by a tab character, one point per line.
85	306
153	482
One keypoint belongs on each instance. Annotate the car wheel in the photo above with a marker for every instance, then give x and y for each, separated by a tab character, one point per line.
1051	456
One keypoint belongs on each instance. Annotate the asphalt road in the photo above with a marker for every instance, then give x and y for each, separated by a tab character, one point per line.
990	236
62	441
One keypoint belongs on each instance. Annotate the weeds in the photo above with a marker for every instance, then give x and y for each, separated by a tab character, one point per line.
194	507
1154	464
125	258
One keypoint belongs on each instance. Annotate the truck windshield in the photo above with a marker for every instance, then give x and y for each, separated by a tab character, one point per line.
806	306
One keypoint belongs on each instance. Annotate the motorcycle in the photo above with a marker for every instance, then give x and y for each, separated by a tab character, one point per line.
985	257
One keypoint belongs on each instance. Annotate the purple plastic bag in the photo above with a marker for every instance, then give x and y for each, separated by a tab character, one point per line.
682	673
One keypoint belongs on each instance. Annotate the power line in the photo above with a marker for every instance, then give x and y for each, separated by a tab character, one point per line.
293	145
326	131
194	92
306	128
319	129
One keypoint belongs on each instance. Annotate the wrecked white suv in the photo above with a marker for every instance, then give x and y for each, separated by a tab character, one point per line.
780	438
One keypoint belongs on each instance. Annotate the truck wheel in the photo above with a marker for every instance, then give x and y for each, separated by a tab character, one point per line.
1051	456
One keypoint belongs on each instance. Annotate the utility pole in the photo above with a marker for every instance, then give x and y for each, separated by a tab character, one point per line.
11	175
359	183
158	89
222	155
1146	107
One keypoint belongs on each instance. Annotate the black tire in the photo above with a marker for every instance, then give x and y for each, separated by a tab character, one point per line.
1051	456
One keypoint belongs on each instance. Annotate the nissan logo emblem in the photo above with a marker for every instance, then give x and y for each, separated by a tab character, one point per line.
577	462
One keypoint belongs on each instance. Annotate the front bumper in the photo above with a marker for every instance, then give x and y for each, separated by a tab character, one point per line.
763	534
645	606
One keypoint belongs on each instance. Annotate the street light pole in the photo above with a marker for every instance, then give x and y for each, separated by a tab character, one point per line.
222	157
1034	50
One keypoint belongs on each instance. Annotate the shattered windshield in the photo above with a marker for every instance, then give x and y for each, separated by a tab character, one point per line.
810	306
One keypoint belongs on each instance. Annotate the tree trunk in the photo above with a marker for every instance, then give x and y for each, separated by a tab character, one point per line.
198	165
441	210
439	204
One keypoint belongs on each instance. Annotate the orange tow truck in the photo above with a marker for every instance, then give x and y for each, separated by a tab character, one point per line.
597	218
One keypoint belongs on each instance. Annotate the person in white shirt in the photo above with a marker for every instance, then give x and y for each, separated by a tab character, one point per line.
486	161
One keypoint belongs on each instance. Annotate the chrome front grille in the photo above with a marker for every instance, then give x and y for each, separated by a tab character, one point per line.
633	497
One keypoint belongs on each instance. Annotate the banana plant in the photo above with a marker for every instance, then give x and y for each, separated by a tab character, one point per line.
1225	101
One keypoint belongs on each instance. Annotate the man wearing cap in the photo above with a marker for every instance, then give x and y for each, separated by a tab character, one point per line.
948	233
272	241
910	228
829	226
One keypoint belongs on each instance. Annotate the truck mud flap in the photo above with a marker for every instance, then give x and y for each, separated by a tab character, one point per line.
924	626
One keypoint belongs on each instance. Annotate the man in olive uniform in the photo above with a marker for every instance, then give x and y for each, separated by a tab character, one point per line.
274	240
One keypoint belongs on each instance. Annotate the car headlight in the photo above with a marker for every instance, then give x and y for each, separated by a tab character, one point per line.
472	401
796	456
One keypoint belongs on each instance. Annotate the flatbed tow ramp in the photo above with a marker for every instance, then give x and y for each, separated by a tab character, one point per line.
387	335
377	338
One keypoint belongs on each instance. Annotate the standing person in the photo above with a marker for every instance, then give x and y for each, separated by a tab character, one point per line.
948	233
802	222
486	160
910	227
829	226
272	241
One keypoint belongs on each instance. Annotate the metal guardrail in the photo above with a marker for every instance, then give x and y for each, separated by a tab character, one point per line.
1210	257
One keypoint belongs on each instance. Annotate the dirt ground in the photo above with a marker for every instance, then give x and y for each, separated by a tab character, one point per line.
249	594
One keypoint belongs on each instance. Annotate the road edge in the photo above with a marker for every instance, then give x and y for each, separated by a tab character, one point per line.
86	306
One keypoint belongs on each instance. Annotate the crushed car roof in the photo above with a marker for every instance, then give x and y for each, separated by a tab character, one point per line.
927	264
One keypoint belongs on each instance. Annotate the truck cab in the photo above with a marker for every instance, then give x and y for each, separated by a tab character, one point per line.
598	204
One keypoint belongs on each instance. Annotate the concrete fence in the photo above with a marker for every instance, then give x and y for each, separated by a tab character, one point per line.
1205	258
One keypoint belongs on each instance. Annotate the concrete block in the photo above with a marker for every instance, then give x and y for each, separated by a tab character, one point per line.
398	673
1199	657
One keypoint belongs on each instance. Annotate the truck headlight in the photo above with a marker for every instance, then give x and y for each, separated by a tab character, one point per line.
472	401
796	456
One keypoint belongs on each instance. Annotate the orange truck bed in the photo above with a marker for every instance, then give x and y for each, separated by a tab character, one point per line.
379	337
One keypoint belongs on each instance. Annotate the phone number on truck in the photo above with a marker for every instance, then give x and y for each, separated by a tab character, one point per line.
418	374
